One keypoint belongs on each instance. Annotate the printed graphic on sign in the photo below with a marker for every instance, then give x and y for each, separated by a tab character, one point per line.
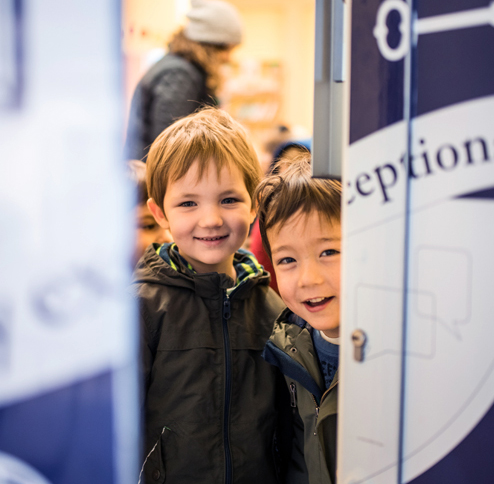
440	23
450	245
445	299
374	275
434	266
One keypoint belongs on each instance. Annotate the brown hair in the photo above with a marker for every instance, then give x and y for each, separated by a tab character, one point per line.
136	172
293	191
210	135
200	53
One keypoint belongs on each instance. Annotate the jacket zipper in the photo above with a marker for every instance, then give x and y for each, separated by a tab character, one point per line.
317	407
228	389
293	402
317	415
293	395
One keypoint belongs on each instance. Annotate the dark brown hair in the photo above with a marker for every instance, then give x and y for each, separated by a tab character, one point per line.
293	191
200	53
207	136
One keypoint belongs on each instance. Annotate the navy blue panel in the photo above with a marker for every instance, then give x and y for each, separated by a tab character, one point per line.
453	66
470	462
376	91
65	435
428	8
487	194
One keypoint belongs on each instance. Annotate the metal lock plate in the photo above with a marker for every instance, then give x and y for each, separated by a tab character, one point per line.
359	339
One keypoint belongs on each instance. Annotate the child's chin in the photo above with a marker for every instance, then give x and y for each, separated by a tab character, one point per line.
331	332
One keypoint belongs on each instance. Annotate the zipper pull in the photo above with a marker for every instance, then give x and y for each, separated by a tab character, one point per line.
293	395
317	416
226	308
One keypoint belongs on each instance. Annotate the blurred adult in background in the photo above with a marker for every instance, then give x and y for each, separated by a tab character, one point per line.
187	78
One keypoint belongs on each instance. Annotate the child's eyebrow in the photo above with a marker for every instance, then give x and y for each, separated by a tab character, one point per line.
288	247
229	190
330	239
280	249
185	195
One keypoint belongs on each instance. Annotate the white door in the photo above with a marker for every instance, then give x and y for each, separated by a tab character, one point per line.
418	264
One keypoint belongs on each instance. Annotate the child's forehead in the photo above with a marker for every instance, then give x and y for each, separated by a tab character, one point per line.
209	168
307	222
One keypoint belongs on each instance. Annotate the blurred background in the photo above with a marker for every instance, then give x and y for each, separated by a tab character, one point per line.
269	80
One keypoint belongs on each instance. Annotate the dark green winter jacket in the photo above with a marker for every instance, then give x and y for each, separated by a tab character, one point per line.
210	398
290	348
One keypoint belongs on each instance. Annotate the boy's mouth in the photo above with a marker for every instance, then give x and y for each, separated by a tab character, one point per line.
212	239
317	301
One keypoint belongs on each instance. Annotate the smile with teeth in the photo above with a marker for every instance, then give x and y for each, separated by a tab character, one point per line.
212	239
317	301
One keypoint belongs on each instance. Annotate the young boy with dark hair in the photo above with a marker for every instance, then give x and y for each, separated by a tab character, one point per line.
299	219
206	313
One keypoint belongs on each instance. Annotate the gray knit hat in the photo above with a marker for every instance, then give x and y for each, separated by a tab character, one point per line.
213	22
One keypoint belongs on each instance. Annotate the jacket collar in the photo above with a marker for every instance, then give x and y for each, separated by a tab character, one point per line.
290	348
152	268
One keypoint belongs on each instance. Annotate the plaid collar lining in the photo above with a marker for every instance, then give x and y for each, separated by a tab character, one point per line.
245	263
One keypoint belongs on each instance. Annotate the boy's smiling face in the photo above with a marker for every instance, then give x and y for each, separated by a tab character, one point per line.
208	217
306	258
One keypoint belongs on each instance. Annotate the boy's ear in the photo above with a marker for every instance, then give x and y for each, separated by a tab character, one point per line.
253	213
158	214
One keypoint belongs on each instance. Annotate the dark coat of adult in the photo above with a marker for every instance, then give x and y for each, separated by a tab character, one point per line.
211	410
171	89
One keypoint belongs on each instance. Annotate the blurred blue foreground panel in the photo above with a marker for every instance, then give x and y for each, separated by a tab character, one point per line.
68	358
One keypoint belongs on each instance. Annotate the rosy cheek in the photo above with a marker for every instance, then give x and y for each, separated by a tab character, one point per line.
283	288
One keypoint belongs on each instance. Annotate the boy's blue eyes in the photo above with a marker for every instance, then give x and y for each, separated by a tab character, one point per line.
225	201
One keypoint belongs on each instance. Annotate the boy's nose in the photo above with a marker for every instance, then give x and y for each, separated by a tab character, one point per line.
310	274
211	217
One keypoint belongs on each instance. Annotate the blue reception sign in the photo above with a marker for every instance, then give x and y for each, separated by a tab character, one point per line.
68	366
418	262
